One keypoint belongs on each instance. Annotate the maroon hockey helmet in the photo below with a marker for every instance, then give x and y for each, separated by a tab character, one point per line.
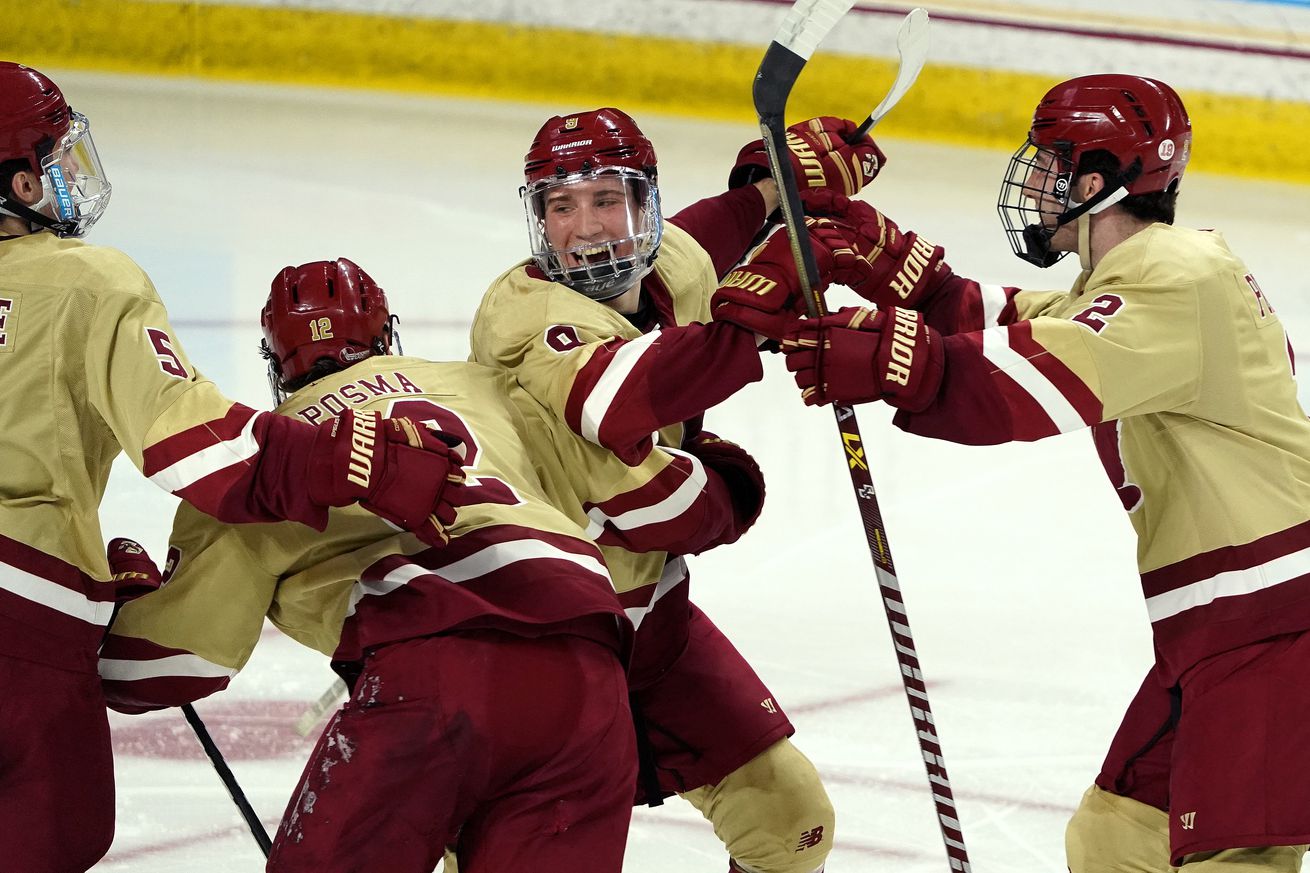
38	127
33	115
1141	122
568	144
323	309
589	163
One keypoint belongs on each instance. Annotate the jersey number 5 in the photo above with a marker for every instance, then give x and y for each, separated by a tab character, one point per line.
169	362
477	489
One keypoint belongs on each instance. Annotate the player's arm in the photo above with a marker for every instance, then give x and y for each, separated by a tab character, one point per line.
241	465
681	501
189	638
614	391
856	245
1128	352
725	225
628	389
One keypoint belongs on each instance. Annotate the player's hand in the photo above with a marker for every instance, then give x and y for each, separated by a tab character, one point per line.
854	355
857	246
763	294
394	467
820	156
131	571
739	472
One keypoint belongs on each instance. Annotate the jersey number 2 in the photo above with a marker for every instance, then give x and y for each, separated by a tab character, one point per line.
477	489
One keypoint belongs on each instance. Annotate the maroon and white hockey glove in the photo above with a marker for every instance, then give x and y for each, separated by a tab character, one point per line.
820	156
740	474
854	355
394	467
857	246
130	570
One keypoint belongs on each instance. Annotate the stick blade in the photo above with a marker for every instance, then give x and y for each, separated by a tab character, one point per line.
912	42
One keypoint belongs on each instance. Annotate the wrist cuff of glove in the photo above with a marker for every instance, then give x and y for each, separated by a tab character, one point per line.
747	174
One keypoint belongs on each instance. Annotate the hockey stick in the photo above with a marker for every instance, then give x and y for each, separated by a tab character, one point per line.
802	30
229	780
912	46
314	713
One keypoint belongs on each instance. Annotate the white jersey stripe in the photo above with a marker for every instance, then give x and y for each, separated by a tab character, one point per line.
667	509
602	395
675	573
1230	583
996	349
993	301
173	666
55	596
486	560
220	456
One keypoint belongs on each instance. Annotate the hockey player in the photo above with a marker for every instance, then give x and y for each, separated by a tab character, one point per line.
489	700
89	368
604	326
1168	349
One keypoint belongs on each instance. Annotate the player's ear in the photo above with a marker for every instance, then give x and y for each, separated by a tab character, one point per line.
26	187
1088	186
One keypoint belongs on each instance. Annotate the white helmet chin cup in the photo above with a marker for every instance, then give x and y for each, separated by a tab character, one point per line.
596	231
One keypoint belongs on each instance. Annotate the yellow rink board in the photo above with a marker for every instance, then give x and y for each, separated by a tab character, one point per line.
574	69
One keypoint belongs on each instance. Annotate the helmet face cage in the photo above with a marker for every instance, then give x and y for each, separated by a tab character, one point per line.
76	191
1034	200
616	209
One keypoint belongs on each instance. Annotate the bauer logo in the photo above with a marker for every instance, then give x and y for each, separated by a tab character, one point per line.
1166	149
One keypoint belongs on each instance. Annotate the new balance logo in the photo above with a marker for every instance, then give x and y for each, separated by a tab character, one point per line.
769	706
809	839
1189	821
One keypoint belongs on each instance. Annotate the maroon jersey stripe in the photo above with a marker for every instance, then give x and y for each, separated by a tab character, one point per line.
1080	397
183	444
1243	557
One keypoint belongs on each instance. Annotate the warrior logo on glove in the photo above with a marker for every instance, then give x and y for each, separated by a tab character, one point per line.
821	157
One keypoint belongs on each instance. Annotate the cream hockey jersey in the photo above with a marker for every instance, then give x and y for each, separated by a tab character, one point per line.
89	367
1171	352
623	388
514	563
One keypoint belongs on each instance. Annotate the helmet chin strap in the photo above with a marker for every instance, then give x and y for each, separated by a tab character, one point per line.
1084	213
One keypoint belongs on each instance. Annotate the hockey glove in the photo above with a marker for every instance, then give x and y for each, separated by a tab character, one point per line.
820	157
131	571
857	246
739	472
854	355
394	467
764	294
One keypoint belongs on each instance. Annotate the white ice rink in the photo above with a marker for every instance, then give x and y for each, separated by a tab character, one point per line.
1016	561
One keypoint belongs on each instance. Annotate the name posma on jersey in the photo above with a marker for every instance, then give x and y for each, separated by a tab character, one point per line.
357	393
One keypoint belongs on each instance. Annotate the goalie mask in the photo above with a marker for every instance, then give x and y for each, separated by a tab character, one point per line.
326	315
1140	122
592	202
40	134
